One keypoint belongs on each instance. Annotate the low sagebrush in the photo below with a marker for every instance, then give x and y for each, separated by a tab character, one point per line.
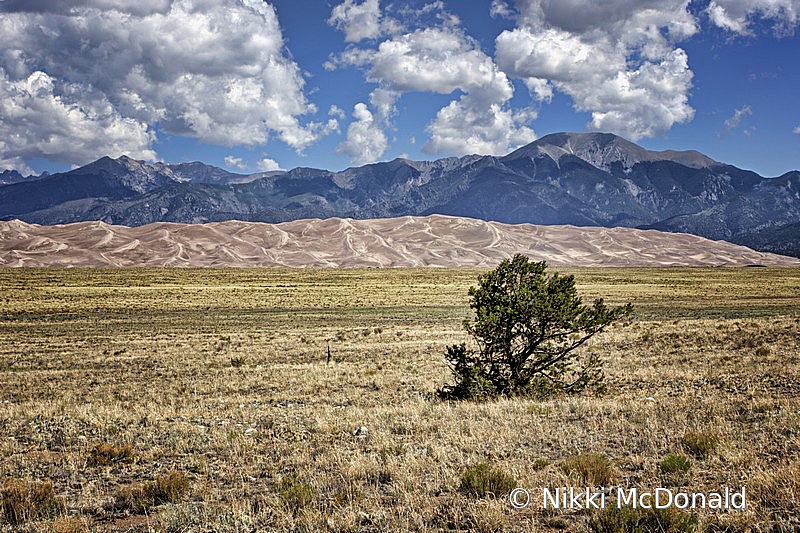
296	494
589	469
701	444
628	519
675	463
482	480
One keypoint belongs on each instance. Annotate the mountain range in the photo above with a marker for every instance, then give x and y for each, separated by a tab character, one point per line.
581	179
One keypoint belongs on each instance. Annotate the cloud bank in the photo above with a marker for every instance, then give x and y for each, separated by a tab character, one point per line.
97	77
616	59
737	16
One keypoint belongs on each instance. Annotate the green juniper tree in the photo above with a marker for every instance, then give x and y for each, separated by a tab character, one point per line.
527	327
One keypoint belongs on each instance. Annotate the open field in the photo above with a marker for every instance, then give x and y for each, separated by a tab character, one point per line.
201	400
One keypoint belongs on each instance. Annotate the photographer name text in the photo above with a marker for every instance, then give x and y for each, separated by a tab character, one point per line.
659	498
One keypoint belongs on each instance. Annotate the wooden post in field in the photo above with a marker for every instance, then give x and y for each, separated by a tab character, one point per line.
329	354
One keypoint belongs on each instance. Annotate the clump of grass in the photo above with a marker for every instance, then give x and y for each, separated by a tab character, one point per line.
237	362
589	469
538	410
539	464
779	489
22	501
169	488
628	519
392	450
482	480
106	453
296	494
69	524
165	489
675	463
701	444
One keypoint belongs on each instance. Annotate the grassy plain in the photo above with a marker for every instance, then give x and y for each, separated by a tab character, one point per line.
202	400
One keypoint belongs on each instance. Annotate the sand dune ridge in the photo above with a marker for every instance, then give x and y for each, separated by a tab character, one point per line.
439	241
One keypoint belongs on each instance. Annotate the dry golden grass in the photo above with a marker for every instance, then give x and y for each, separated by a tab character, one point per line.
219	378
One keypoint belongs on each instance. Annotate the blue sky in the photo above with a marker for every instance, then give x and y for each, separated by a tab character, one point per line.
250	85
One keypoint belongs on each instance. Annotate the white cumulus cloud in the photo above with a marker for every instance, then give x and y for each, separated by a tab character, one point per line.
469	127
366	141
500	8
616	59
65	122
268	165
357	20
444	60
336	111
736	15
140	7
215	70
236	162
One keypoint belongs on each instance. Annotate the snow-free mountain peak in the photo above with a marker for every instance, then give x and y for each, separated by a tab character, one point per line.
8	177
602	150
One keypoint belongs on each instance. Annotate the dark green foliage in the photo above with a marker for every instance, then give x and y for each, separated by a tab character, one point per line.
482	480
632	520
471	382
527	326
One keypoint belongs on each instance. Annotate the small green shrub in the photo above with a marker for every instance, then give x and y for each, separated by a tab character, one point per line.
675	463
628	519
22	501
296	494
481	480
701	444
589	469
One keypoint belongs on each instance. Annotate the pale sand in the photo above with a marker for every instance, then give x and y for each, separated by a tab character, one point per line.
433	241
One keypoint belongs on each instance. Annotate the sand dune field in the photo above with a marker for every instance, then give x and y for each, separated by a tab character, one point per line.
438	241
